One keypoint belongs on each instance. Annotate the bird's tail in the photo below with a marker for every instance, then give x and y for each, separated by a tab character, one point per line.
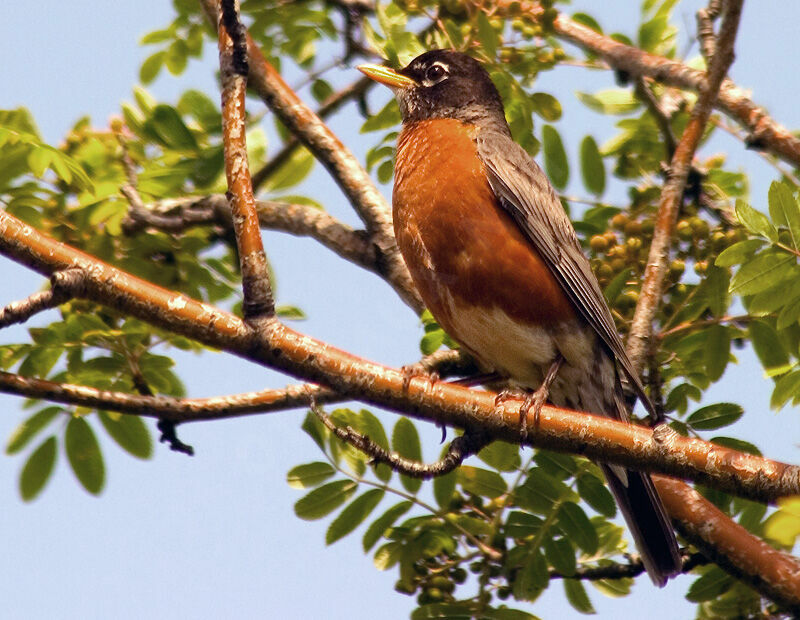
647	519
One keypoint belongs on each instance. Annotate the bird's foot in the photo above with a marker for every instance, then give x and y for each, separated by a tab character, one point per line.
417	371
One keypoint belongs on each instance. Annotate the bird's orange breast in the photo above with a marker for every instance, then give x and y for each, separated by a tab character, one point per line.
461	246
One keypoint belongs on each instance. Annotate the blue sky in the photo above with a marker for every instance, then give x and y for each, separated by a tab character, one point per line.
215	535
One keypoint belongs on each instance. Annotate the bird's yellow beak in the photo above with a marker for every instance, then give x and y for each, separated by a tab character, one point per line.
387	76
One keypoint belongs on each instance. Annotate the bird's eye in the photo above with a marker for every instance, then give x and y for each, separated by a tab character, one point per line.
435	73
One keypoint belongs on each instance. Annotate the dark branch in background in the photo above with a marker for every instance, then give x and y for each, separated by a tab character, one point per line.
662	120
61	282
356	90
178	215
460	448
345	169
671	196
258	301
166	407
616	570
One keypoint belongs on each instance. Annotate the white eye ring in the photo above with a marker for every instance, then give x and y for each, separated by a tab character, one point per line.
435	74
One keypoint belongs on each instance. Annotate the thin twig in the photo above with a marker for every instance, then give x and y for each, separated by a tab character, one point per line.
258	301
634	568
652	286
20	311
167	407
460	448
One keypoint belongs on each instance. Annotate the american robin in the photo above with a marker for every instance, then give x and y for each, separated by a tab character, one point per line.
498	264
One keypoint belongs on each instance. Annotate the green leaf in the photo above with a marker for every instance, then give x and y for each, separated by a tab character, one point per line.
532	578
379	527
443	488
577	596
786	388
289	174
612	101
540	492
431	341
755	221
30	428
555	158
711	585
487	35
315	429
405	441
616	286
130	433
309	475
37	469
596	494
717	351
291	313
501	455
176	57
715	416
561	555
168	126
593	171
84	456
388	116
784	210
767	345
783	526
151	67
765	271
324	500
736	444
546	106
577	527
481	482
352	516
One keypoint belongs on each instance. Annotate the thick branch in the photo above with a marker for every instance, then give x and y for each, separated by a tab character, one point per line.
672	194
166	407
280	347
340	162
725	542
258	301
277	346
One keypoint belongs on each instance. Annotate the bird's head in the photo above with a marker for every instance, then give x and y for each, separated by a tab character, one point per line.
442	84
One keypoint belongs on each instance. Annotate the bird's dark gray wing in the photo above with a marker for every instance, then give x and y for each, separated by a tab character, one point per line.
526	193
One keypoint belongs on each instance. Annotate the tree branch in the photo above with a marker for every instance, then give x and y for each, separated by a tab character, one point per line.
764	132
301	220
20	311
258	301
671	196
277	346
728	544
459	449
166	407
339	161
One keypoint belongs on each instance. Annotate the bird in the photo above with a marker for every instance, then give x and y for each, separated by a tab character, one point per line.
498	263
